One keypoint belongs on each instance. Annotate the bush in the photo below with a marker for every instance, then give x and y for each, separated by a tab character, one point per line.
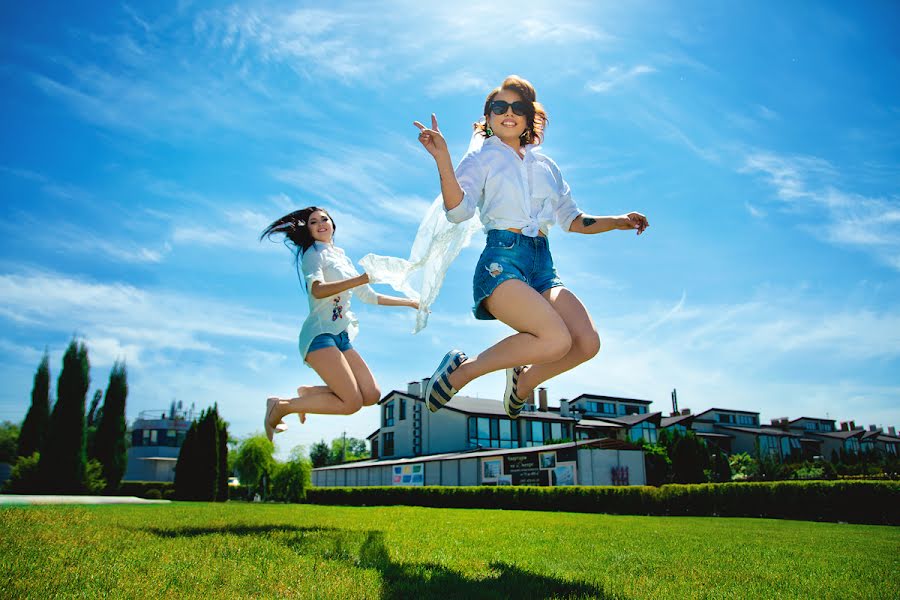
25	478
143	489
94	483
875	502
291	480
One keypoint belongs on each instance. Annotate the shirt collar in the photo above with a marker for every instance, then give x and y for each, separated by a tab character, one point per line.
494	140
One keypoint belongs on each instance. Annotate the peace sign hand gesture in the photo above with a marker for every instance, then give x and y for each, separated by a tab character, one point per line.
432	139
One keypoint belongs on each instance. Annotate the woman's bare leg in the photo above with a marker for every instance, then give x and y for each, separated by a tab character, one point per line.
371	394
310	390
543	335
585	341
344	397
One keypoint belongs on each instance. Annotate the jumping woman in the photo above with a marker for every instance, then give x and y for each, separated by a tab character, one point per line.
331	281
519	193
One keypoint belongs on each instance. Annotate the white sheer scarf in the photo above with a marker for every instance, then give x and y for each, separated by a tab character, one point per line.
438	242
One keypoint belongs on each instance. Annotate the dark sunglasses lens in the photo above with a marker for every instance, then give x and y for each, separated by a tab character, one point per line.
499	107
519	108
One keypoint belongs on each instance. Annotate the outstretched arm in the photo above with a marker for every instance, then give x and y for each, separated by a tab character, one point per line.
395	301
588	224
434	143
323	290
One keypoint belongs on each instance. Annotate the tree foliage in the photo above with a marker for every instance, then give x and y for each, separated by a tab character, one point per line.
37	420
63	457
320	454
9	439
201	468
689	459
254	460
109	446
292	478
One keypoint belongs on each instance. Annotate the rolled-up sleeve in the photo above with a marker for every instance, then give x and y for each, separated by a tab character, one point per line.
566	209
470	175
366	294
312	265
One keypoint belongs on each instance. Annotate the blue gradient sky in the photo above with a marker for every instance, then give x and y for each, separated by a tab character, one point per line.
145	146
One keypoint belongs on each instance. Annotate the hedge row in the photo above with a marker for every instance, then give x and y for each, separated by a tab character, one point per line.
876	502
147	489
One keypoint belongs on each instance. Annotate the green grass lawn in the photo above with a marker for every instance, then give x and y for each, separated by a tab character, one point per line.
306	551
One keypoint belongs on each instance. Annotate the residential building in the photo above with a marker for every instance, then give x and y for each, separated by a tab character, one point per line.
156	438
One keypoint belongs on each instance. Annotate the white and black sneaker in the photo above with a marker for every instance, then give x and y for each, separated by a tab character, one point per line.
439	391
511	401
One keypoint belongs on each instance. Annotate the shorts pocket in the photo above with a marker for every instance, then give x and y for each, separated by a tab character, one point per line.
502	240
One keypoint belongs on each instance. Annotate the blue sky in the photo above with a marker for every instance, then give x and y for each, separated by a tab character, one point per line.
147	145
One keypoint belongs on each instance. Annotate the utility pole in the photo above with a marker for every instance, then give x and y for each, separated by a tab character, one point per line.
344	448
674	402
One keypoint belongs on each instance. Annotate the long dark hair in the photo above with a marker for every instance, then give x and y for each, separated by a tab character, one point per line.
296	232
536	115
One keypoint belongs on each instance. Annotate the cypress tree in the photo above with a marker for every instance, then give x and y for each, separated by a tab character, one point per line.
109	443
63	457
207	456
37	420
222	438
185	467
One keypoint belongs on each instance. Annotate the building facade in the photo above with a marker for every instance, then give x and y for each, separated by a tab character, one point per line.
156	438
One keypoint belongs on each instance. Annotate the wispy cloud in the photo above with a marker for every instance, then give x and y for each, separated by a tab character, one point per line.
617	76
806	185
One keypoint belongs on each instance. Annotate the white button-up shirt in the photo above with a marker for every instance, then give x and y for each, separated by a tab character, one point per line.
328	263
513	193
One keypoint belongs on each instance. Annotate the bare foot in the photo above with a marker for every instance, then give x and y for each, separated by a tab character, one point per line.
271	430
303	389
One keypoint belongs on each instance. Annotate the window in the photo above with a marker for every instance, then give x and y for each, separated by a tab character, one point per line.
608	408
809	426
375	448
826	427
402	409
746	420
493	432
388	415
538	433
643	431
603	408
678	427
851	445
387	443
891	448
725	418
632	409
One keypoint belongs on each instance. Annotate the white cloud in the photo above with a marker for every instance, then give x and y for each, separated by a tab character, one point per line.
616	76
805	185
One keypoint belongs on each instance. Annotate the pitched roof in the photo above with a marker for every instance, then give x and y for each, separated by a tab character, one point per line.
630	420
674	420
590	423
762	431
726	410
610	398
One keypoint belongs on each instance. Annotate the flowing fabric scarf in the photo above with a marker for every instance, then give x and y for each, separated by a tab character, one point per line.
438	242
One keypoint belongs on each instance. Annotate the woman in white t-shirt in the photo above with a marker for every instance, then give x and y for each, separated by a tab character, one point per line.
519	193
331	281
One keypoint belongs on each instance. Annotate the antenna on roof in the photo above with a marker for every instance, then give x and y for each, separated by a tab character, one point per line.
674	402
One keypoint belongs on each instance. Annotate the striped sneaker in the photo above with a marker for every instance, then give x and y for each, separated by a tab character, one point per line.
511	402
439	391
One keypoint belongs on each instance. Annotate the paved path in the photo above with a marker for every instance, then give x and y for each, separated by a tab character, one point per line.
46	499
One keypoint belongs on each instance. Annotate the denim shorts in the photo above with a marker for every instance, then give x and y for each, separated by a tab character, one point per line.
340	341
511	255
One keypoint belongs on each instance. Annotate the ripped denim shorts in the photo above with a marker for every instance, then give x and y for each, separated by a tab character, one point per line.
510	255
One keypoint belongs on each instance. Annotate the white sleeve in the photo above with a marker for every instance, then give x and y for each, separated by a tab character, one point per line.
313	264
366	294
566	210
470	175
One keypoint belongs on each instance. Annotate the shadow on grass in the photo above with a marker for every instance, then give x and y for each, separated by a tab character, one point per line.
367	549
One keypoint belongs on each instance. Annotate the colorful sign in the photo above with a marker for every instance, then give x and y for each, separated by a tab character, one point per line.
409	474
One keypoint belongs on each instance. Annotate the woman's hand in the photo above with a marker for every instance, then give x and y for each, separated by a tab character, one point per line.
432	139
414	304
634	220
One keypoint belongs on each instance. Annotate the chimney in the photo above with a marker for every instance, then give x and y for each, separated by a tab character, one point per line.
564	407
852	425
414	388
685	412
843	425
872	428
892	431
424	387
542	399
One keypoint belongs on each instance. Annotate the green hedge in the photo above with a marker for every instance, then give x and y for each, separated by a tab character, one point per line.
875	502
147	489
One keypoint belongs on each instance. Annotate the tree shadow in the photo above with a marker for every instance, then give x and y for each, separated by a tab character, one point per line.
367	549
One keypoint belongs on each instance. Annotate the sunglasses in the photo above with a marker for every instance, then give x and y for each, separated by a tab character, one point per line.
499	107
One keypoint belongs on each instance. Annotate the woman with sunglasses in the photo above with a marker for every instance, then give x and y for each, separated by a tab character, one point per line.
519	193
331	281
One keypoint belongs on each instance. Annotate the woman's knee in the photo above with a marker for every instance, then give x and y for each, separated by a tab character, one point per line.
555	343
371	396
587	344
351	404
